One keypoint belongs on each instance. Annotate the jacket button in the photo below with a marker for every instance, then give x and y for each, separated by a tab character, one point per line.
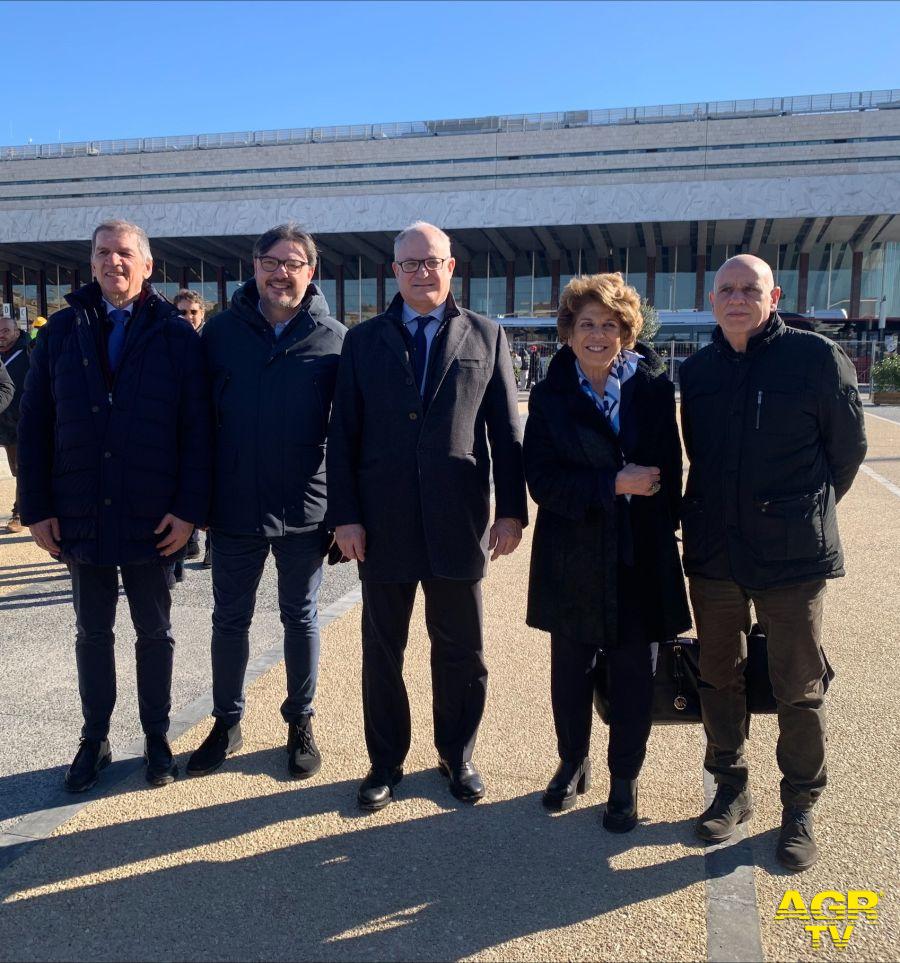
409	381
95	408
413	416
107	501
84	361
107	454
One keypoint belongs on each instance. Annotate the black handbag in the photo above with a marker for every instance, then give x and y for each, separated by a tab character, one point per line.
676	679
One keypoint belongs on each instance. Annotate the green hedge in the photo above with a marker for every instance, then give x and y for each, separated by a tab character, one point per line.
886	374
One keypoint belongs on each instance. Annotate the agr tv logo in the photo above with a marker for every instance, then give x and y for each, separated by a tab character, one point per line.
830	915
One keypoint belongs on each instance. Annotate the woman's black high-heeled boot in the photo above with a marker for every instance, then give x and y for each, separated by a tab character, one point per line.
568	783
621	814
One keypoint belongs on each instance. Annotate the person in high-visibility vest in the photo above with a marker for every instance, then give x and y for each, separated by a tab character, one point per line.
39	322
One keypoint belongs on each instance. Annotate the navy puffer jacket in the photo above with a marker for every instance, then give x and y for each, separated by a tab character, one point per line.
110	460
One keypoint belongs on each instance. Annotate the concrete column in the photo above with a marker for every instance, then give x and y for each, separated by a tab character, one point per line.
510	287
651	280
554	284
802	282
7	287
42	293
700	288
856	284
379	288
183	278
75	282
466	294
339	293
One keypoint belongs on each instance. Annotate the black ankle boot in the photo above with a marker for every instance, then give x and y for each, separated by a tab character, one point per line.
621	814
570	780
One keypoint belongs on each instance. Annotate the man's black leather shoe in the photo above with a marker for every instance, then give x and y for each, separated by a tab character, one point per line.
211	753
569	782
465	780
207	560
161	767
192	549
304	758
621	815
730	807
92	756
376	790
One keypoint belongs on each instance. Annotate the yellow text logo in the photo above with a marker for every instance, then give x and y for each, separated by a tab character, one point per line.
830	915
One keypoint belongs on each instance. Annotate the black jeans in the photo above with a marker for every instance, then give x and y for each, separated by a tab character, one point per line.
95	592
791	617
453	617
237	567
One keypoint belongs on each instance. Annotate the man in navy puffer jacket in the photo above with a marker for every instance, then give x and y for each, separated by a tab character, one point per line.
114	473
273	358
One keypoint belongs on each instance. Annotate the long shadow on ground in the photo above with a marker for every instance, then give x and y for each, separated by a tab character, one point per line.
437	887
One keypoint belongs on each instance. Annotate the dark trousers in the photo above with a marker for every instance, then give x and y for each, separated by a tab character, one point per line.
95	592
572	668
453	617
13	462
237	567
573	663
791	617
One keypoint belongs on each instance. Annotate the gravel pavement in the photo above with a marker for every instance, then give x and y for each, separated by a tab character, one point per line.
246	864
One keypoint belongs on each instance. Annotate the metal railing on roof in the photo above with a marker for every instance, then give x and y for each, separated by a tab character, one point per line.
510	123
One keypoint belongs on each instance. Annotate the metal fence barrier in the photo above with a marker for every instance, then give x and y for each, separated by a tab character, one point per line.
863	354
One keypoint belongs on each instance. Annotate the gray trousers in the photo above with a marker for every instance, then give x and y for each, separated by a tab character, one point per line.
791	617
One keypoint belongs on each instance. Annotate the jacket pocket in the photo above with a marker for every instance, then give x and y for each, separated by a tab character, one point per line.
694	530
789	527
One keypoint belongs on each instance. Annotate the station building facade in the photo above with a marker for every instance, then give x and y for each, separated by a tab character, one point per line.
662	194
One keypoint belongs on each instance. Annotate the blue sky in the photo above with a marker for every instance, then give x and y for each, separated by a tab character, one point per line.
80	71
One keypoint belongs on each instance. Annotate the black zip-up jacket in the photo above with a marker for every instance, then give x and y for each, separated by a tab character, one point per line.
271	403
16	364
775	437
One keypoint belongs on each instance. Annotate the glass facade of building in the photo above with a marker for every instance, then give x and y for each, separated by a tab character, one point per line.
820	276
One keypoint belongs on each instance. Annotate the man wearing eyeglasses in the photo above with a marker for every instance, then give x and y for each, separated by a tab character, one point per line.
421	389
273	358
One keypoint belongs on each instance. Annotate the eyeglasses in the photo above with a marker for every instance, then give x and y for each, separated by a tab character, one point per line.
411	265
292	266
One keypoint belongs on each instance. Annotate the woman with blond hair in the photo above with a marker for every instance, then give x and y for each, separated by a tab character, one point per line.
603	463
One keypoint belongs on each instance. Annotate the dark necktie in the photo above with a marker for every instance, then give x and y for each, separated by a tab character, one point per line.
117	336
420	350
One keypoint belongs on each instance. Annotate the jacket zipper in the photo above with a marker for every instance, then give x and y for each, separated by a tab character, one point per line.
758	407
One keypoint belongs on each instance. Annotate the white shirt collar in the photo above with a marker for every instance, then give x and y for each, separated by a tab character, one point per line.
111	307
410	315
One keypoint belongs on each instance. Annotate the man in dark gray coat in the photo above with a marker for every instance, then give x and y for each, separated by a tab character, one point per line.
773	427
273	357
421	389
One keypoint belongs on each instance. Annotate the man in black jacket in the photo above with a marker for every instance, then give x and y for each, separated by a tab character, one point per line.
773	426
421	388
273	356
14	355
114	464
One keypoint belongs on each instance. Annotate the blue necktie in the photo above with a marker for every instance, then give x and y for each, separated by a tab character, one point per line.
420	350
116	336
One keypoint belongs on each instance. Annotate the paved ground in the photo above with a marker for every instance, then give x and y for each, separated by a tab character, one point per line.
245	864
39	706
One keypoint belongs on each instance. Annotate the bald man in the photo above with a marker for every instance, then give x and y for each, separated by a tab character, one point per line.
773	427
420	390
